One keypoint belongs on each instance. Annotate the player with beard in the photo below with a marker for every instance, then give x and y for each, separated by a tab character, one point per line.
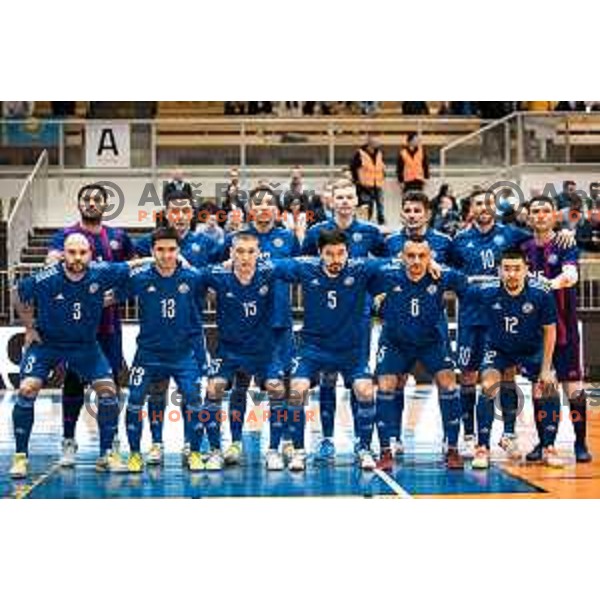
107	244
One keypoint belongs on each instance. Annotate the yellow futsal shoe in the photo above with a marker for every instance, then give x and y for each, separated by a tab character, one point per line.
111	462
233	454
20	466
155	455
135	463
195	462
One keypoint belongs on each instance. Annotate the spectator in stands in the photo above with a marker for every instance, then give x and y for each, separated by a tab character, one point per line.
296	191
321	206
368	107
570	106
594	193
573	215
15	109
368	173
569	188
233	199
415	108
177	184
495	110
294	219
234	107
412	168
235	219
587	233
447	219
444	191
63	109
207	207
538	105
210	227
459	108
260	108
465	211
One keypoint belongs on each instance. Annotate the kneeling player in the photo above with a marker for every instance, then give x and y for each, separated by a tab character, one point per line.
69	299
415	329
521	334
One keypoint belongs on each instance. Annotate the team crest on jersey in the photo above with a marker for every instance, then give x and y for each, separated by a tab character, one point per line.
114	244
150	289
527	308
277	242
357	237
432	289
264	290
195	247
183	288
552	259
499	240
349	281
94	288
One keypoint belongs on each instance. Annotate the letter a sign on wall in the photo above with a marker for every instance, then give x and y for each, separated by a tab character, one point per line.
107	145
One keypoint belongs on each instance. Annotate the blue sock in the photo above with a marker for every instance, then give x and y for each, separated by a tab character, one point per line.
354	406
296	423
193	426
134	423
396	422
468	399
156	412
578	408
327	402
108	422
451	411
213	425
385	415
509	401
237	411
23	414
365	416
485	419
549	418
277	418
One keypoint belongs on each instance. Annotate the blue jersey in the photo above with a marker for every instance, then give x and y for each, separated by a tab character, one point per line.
477	253
245	313
197	248
364	239
515	323
69	312
438	242
414	313
333	306
169	315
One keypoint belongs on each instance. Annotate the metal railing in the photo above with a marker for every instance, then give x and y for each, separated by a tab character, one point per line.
32	198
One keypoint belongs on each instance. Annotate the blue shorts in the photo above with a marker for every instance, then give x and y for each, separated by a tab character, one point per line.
285	349
471	347
528	365
310	363
392	360
567	361
148	369
86	361
227	365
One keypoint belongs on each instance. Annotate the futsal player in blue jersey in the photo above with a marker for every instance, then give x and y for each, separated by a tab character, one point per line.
335	291
415	215
415	329
170	343
197	250
108	244
520	321
364	240
68	301
476	252
246	323
275	242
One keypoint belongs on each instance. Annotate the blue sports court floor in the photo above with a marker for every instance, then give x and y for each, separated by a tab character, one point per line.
420	472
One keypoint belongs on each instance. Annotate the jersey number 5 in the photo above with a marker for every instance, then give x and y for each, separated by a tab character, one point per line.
332	299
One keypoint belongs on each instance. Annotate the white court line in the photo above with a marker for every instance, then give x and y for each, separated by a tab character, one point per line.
392	483
26	492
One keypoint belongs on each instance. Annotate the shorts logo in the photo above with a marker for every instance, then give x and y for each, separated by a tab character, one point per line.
432	289
195	247
114	244
277	242
183	288
264	290
357	237
94	288
527	308
150	289
349	281
499	240
552	259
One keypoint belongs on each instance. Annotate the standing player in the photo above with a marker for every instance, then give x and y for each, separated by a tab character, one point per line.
364	239
520	336
69	300
335	292
170	342
107	244
416	215
247	343
558	266
415	328
198	250
274	243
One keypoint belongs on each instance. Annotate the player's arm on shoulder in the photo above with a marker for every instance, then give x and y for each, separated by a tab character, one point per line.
309	244
288	269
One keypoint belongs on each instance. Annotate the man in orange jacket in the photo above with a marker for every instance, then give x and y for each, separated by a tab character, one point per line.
412	168
368	174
